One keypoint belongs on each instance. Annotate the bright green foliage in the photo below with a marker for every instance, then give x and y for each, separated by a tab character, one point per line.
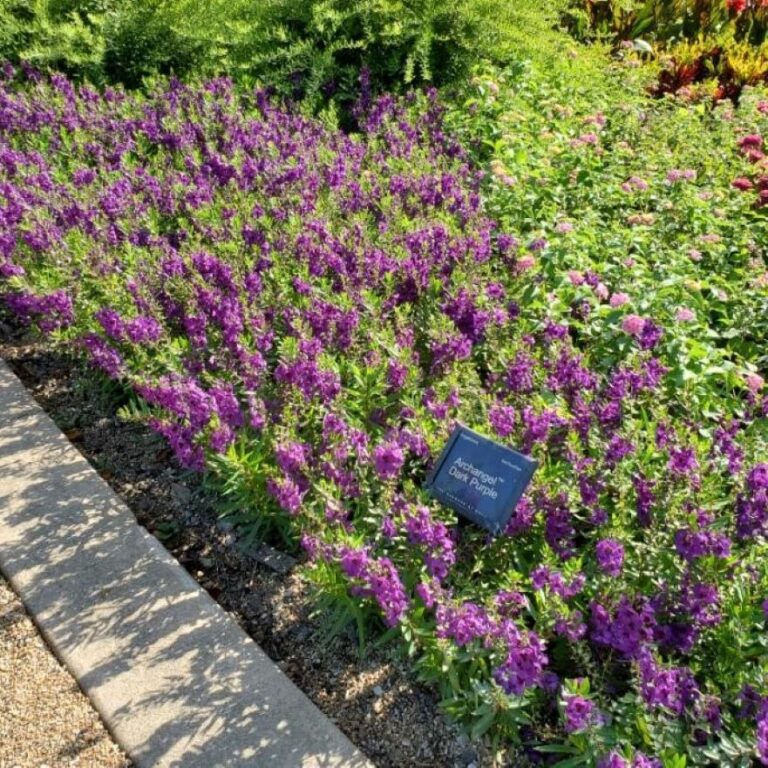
148	38
54	36
312	48
322	45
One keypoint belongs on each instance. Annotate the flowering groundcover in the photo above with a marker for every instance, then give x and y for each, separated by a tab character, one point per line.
305	314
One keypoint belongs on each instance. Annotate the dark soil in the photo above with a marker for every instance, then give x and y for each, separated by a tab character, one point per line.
373	699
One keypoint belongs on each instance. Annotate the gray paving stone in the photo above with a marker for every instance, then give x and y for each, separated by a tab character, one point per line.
174	677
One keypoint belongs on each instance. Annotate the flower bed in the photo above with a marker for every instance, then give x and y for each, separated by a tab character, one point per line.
707	49
305	315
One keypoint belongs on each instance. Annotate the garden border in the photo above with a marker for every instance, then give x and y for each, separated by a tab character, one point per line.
174	677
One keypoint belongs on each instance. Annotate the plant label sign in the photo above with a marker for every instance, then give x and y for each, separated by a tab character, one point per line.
480	479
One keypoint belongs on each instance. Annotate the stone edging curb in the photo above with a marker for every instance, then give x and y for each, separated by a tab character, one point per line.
176	680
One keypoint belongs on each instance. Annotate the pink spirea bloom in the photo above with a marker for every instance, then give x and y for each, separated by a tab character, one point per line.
635	183
633	325
619	300
676	175
524	263
575	277
694	255
754	381
685	315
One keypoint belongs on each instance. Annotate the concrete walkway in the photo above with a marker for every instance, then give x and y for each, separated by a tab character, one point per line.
173	676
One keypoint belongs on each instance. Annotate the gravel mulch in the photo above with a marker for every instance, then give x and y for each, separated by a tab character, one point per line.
45	719
374	699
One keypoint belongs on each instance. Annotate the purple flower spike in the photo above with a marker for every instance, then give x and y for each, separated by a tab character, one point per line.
610	556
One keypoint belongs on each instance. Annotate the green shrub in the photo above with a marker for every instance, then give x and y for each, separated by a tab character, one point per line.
60	36
309	48
145	39
318	47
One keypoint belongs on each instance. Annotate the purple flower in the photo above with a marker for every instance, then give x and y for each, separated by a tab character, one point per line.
757	479
292	457
650	335
762	739
523	665
682	461
522	518
519	374
464	312
559	531
463	623
502	419
672	688
752	504
142	329
578	713
427	594
571	627
610	556
103	356
643	761
434	536
221	438
618	449
692	545
612	760
510	603
377	579
628	630
51	311
287	493
396	374
388	459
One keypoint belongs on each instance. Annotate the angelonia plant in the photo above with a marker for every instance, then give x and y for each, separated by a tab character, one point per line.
305	315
